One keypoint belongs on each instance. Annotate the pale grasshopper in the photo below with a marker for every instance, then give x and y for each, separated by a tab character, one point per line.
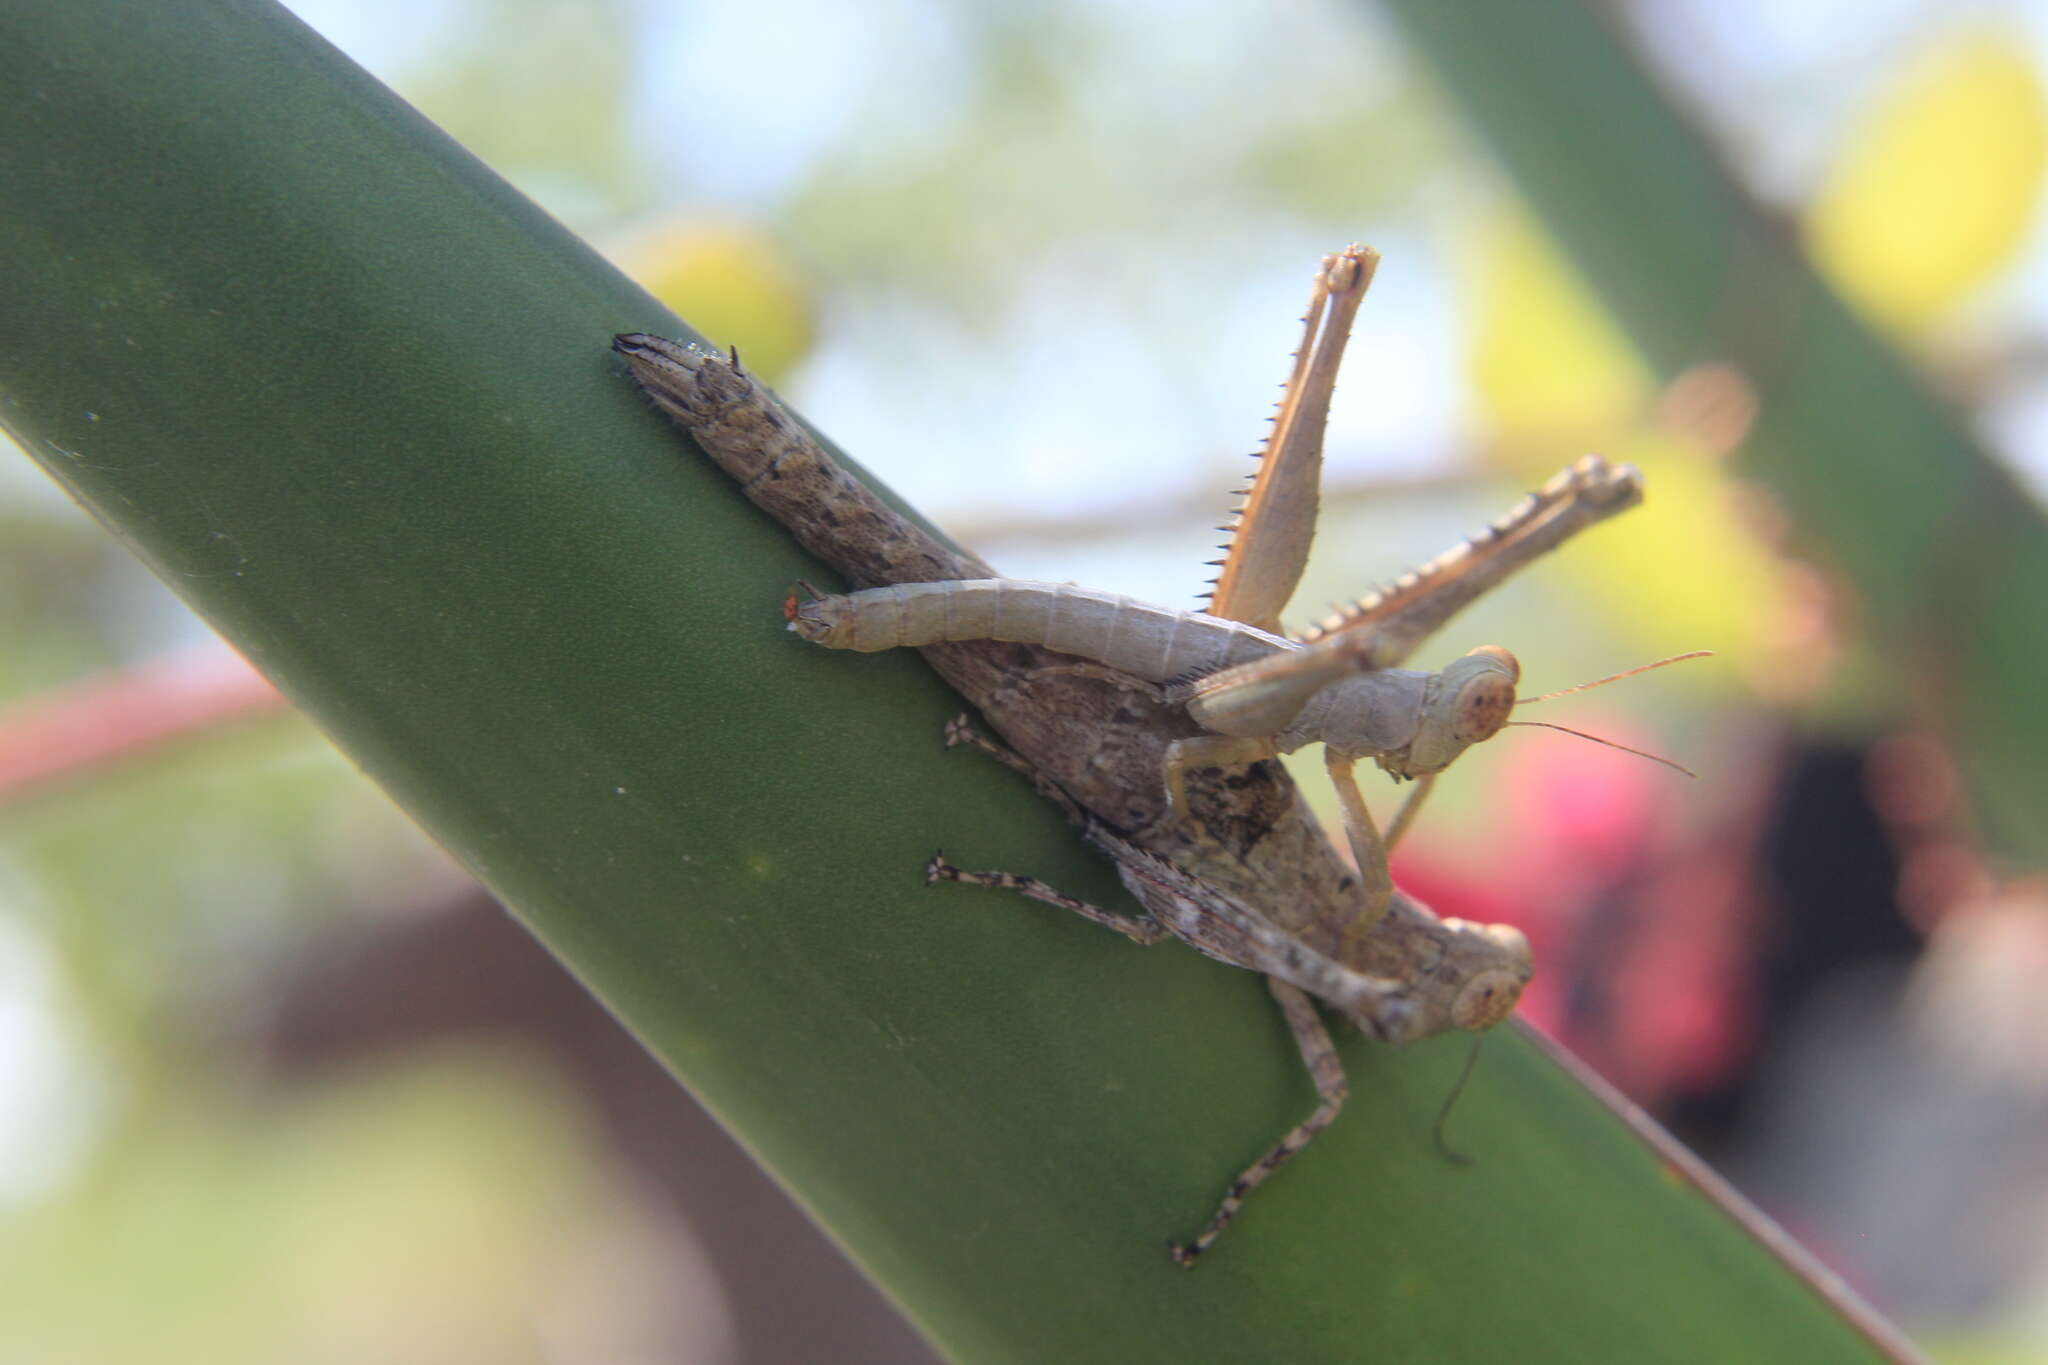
1128	738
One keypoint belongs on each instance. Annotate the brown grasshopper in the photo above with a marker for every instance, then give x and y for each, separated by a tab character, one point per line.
1130	744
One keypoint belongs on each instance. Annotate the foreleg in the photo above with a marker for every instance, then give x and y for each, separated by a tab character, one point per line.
1368	849
1409	809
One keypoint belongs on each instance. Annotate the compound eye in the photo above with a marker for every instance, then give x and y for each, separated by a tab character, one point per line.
1487	999
1483	707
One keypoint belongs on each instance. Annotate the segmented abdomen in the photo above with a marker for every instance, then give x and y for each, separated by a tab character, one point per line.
1128	635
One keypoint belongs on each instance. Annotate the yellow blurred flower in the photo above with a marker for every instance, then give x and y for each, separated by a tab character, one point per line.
731	283
1934	192
1937	188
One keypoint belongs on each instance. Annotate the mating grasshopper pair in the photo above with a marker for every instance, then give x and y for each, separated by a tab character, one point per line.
1128	715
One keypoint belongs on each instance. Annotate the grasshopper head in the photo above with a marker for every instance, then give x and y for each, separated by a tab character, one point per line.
1499	965
1469	702
1460	975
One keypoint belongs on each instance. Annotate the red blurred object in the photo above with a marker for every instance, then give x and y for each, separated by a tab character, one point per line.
103	719
1641	936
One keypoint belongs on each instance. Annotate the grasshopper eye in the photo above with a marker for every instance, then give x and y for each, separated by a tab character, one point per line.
1487	999
1492	993
1483	703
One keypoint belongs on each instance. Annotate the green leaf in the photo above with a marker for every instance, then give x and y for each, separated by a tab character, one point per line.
352	397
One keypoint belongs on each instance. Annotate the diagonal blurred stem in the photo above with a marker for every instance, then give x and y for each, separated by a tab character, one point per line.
1949	556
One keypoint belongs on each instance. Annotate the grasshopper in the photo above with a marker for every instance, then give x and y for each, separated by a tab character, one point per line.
1154	730
1258	694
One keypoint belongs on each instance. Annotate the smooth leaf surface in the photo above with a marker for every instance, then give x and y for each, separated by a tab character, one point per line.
352	397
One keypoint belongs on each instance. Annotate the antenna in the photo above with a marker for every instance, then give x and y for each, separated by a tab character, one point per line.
1639	753
1436	1131
1602	682
1614	677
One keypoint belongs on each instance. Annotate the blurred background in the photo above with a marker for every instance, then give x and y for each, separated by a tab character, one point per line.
267	1056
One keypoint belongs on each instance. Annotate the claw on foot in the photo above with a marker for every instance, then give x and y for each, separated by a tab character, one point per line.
939	870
